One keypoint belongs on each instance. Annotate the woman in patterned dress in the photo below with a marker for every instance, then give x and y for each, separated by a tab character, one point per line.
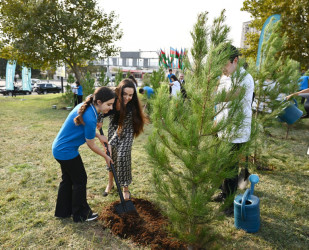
126	122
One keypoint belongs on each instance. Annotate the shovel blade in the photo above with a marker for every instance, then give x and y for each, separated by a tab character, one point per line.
125	207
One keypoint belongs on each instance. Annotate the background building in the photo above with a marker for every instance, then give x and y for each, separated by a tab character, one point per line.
246	29
137	62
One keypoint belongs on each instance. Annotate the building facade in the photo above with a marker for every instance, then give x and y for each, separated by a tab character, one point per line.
246	29
137	62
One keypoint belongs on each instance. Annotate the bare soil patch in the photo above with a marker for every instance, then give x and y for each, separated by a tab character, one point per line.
147	227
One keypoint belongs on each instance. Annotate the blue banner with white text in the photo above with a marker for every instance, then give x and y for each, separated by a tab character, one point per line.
26	78
10	73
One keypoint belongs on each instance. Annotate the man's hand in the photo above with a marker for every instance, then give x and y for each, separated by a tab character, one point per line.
288	97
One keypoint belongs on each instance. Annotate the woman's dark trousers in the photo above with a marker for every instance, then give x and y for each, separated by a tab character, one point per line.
72	196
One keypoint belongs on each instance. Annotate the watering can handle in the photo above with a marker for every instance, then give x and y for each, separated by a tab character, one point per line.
243	203
295	102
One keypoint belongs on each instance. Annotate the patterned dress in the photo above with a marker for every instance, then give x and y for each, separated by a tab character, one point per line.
121	148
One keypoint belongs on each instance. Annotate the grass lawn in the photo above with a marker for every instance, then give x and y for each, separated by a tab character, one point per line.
29	178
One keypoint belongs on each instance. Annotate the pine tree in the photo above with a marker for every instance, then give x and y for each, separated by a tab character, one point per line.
88	85
103	79
189	161
157	77
275	77
118	77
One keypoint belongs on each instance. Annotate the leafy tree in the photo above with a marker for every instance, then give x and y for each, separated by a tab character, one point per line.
70	79
42	33
189	161
295	23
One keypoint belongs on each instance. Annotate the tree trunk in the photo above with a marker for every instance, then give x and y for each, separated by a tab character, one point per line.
77	72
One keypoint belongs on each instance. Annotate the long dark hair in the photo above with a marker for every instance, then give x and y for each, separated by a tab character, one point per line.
139	118
103	94
132	78
175	78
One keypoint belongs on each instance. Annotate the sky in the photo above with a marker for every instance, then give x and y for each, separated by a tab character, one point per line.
151	25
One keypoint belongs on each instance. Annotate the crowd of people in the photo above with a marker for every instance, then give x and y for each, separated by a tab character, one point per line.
126	121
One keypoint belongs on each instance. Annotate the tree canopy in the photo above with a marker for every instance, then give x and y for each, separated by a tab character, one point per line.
295	23
42	33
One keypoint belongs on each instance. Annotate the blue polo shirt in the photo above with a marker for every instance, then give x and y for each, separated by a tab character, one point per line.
149	91
169	77
80	90
303	82
71	136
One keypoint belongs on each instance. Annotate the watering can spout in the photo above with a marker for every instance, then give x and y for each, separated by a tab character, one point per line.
254	179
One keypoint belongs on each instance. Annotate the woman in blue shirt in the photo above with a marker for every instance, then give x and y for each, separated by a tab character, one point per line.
78	128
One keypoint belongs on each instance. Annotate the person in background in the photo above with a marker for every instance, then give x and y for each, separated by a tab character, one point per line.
304	91
303	84
127	121
169	76
149	91
74	91
240	137
78	128
79	89
182	86
175	85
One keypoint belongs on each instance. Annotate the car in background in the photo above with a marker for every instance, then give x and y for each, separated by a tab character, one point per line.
16	91
34	83
45	88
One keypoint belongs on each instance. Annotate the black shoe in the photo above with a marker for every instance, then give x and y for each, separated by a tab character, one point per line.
219	197
106	193
92	217
305	116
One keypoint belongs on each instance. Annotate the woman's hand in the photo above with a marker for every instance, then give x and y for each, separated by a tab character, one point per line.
99	125
103	139
110	149
108	160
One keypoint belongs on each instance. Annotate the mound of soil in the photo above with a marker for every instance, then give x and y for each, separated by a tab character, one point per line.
146	227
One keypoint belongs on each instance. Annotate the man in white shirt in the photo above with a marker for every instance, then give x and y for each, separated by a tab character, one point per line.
242	135
74	91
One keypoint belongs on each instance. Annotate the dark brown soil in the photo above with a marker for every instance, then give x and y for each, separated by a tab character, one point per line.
146	227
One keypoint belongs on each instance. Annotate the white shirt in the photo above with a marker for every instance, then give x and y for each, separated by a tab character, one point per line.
175	88
244	132
73	87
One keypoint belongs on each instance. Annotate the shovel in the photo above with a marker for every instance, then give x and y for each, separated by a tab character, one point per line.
124	206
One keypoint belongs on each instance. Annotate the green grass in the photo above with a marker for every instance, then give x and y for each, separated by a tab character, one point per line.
29	178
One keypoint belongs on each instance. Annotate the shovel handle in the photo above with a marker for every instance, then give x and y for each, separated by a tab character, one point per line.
115	176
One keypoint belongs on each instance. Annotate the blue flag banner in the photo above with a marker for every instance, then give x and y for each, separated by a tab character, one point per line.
270	20
10	73
26	78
